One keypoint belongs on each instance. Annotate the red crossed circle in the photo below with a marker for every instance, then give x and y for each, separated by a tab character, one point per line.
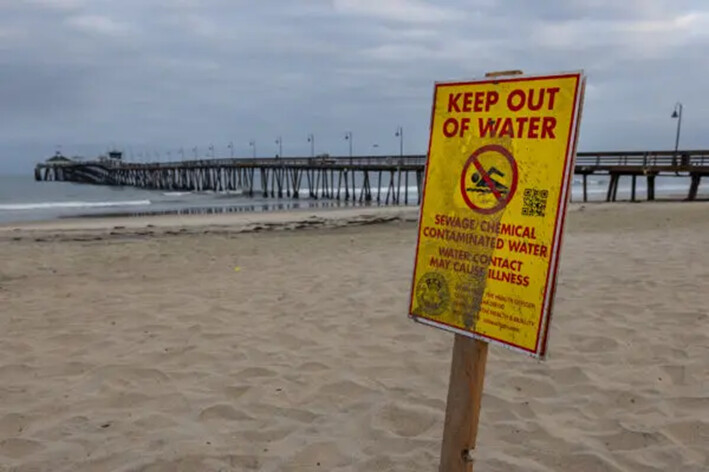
502	200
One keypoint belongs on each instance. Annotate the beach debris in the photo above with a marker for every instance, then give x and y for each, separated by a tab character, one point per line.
237	269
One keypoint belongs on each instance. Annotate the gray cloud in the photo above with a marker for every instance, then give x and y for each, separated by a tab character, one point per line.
164	74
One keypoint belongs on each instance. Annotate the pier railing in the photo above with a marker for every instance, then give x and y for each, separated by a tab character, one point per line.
271	162
594	161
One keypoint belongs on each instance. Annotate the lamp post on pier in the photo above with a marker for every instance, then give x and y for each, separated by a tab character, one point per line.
211	150
231	149
182	153
348	137
311	140
196	152
400	134
677	113
252	143
279	141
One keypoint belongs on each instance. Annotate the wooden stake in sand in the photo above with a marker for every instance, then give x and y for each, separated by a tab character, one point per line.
465	391
490	227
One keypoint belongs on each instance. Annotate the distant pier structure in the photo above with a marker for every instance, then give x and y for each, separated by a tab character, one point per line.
381	179
692	164
384	179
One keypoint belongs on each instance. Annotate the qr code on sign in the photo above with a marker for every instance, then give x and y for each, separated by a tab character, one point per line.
535	202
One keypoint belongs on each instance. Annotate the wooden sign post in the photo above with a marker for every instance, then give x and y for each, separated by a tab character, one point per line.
497	184
465	391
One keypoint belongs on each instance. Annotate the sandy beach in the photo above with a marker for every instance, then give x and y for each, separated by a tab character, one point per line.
280	342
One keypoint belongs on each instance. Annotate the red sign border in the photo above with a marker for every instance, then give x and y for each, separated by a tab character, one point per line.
513	187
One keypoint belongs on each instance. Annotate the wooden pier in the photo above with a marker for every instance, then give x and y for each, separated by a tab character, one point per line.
644	164
357	179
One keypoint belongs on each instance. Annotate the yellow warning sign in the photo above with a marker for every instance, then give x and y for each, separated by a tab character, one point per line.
497	182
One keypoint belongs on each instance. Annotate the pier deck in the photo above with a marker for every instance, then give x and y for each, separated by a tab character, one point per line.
360	178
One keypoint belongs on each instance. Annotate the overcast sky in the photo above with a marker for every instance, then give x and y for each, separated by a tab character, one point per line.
157	75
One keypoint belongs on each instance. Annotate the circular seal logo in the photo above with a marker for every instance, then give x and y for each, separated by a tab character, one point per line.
432	294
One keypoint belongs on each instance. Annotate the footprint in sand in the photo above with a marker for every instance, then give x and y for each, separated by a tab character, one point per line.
405	420
223	412
16	448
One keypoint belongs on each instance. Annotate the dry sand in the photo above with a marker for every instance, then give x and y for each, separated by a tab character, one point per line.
145	350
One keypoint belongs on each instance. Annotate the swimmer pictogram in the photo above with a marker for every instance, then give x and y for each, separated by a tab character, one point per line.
489	179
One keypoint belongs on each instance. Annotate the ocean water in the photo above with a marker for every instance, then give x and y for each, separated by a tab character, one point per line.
23	199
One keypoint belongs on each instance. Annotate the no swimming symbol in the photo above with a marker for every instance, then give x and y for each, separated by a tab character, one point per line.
489	179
